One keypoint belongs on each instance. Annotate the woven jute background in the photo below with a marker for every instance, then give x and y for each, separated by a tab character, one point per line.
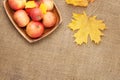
57	57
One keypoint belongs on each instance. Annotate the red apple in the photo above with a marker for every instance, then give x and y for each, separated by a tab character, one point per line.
21	18
28	10
49	19
38	2
49	4
17	4
36	14
35	29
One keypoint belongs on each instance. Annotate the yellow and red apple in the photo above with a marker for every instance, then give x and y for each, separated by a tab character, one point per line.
17	4
49	19
21	18
35	29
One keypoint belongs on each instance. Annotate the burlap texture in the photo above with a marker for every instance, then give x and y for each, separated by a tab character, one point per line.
57	57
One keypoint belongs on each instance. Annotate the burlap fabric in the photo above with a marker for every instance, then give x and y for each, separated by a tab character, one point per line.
57	57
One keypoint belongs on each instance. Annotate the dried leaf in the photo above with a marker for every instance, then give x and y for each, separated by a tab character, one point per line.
30	4
86	26
43	7
79	2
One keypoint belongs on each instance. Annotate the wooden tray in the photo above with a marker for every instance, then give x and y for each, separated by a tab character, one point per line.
22	31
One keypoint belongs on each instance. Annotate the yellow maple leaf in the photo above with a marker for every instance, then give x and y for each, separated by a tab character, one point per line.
86	26
79	2
43	7
30	4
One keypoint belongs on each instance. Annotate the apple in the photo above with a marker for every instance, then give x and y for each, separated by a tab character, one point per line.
21	18
36	14
35	29
38	2
17	4
28	10
49	4
49	19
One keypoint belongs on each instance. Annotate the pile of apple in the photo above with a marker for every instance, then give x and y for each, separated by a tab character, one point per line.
33	19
